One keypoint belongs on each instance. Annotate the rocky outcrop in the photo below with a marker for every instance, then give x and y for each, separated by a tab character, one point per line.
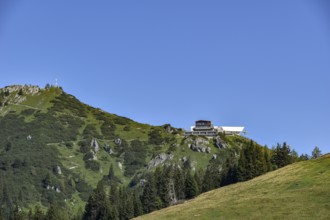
120	165
56	189
143	182
26	89
118	141
159	159
16	95
58	170
219	143
95	145
108	149
198	144
168	128
94	156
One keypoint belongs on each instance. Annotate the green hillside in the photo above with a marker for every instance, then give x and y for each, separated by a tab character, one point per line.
55	149
297	191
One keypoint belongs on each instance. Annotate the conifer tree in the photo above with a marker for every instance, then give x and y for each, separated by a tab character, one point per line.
111	178
55	213
260	162
114	214
7	202
38	214
30	214
137	205
281	155
111	174
294	156
267	160
316	153
97	206
113	202
78	215
249	161
253	161
18	214
212	178
304	157
113	195
241	169
198	176
178	183
191	189
163	178
229	172
121	203
149	195
127	206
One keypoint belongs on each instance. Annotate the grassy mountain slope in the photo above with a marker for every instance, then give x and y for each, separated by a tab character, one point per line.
47	153
297	191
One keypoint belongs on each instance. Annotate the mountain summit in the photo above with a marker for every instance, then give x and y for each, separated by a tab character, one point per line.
55	149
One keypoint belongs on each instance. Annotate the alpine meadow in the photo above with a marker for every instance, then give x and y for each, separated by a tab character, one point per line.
63	159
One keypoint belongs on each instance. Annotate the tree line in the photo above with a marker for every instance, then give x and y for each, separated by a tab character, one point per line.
171	184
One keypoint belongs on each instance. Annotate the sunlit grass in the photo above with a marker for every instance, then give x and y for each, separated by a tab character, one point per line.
298	191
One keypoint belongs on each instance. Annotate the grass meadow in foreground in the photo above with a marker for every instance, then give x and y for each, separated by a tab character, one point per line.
297	191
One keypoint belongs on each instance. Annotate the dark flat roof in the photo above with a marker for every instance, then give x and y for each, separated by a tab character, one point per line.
203	121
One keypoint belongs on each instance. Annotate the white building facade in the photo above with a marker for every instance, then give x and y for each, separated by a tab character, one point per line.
206	128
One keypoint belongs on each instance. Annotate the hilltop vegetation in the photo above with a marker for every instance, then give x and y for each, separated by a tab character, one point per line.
56	151
297	191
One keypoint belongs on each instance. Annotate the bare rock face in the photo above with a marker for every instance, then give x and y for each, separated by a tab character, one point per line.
16	94
160	159
95	145
58	170
20	91
31	90
198	144
94	156
214	157
118	141
120	165
143	182
219	142
56	189
168	128
108	149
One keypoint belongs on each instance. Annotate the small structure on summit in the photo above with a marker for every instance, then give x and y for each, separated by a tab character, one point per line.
202	127
206	128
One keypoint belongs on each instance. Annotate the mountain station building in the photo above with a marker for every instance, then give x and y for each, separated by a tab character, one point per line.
206	128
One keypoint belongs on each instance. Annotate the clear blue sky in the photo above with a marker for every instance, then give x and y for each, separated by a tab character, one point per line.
260	64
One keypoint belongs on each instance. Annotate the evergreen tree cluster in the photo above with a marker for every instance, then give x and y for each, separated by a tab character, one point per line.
167	185
254	161
53	213
171	184
282	155
157	190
